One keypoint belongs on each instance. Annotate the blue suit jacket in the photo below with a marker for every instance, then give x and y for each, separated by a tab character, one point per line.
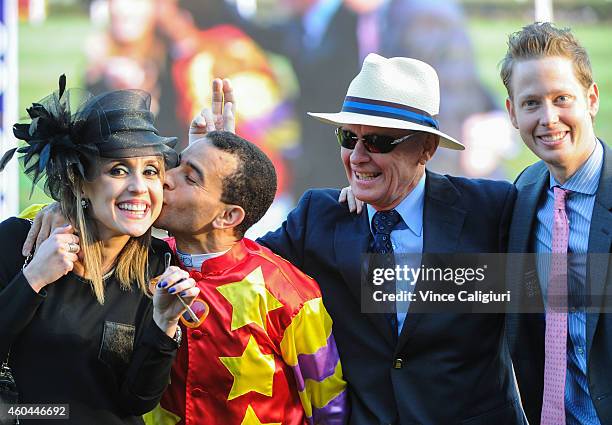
525	332
455	368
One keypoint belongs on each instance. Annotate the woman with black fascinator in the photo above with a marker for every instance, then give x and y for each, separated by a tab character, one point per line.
77	325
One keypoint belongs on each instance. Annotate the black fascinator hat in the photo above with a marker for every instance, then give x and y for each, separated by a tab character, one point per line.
71	130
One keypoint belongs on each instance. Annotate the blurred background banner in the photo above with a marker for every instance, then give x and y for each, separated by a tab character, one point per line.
286	58
9	178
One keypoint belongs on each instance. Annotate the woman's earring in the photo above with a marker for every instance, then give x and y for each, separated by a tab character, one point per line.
84	203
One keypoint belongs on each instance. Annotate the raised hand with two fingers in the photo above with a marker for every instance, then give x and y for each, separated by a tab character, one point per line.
220	117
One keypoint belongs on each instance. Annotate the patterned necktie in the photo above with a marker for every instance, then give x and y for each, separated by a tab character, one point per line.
383	223
555	340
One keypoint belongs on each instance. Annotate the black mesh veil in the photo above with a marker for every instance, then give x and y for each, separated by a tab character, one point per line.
70	130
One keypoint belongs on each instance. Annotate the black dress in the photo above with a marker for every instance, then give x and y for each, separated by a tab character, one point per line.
109	362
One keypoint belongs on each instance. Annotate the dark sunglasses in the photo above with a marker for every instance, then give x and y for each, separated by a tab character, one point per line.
374	143
201	310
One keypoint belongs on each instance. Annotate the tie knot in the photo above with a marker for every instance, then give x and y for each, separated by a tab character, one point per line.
383	222
560	196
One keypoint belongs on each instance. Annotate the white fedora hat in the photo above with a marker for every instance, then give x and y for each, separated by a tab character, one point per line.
393	93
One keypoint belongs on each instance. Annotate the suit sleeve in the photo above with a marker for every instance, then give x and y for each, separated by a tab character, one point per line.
309	348
289	239
505	219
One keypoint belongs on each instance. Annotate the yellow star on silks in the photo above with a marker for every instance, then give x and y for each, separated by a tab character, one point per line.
252	371
250	418
160	416
250	299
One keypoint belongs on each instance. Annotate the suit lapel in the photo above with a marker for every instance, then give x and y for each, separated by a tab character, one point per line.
351	239
600	239
525	210
442	224
524	284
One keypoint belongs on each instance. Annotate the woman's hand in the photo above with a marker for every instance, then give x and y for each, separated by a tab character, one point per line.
167	308
47	220
54	258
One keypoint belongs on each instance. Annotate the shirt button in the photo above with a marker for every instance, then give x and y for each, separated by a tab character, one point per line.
580	350
198	392
196	334
397	364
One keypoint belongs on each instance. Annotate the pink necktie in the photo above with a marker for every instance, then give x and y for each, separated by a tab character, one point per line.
555	366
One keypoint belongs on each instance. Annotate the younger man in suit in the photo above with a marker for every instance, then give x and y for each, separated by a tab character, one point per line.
561	359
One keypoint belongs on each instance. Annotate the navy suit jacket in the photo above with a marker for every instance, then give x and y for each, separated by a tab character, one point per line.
454	368
525	332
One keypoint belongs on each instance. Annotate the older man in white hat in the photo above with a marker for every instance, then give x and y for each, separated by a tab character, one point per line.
434	369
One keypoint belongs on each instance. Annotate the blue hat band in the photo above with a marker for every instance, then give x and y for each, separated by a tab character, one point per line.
396	111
